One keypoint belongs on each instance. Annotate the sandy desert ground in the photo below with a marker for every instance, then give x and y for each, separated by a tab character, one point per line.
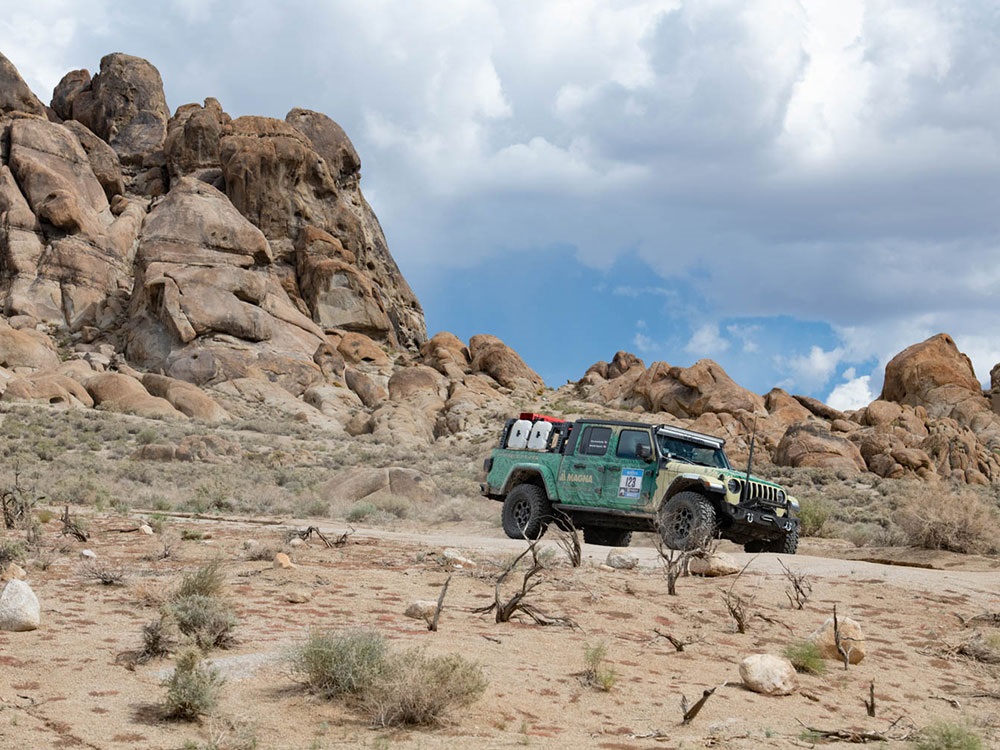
65	684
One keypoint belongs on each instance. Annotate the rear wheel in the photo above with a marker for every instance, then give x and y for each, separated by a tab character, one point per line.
607	537
526	512
686	521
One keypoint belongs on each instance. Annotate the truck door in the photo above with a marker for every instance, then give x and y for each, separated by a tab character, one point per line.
628	479
582	474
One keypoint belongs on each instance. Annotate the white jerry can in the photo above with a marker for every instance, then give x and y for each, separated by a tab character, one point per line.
520	431
539	439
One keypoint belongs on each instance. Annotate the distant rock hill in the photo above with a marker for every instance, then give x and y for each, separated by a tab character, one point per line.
198	266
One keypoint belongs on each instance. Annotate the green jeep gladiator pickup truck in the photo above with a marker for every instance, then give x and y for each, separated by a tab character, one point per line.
612	478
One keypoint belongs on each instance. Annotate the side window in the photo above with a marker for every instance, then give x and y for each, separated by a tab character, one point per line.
629	440
594	441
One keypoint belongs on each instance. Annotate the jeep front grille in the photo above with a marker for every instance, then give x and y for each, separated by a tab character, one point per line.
765	494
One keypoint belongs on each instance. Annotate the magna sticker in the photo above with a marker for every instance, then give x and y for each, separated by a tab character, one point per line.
630	484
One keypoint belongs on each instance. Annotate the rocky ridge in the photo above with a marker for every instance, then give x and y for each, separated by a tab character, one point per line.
190	265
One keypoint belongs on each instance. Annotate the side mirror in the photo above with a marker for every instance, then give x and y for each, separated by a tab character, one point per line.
644	452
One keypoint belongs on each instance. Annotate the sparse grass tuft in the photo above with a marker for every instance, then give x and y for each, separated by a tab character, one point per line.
946	735
595	673
806	657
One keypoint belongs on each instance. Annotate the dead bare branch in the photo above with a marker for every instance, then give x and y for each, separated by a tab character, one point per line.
305	534
801	588
505	610
678	643
433	624
568	539
870	702
843	644
72	527
740	607
863	736
16	504
690	713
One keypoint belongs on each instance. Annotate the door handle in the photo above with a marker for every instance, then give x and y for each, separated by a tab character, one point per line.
579	466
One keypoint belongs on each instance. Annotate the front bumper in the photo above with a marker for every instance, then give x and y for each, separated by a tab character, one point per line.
758	523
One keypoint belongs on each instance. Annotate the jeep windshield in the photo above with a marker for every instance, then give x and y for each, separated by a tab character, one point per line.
692	453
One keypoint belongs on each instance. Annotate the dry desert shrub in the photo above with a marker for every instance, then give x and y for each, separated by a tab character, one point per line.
193	689
394	689
208	580
200	610
336	664
417	689
208	620
957	521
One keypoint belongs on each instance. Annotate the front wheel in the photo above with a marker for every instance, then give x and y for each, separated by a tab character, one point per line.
686	521
526	512
783	545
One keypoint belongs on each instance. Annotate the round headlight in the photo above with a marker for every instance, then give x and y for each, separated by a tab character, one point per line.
734	486
781	496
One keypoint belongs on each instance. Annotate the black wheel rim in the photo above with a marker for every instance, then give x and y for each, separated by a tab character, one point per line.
683	519
521	513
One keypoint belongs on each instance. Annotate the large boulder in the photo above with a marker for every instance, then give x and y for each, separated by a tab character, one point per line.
337	293
493	357
15	96
447	354
19	608
121	393
811	444
330	141
25	350
852	640
67	90
125	106
692	391
934	374
54	389
768	674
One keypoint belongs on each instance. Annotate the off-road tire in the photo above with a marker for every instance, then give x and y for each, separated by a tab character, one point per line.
784	545
686	521
526	512
607	537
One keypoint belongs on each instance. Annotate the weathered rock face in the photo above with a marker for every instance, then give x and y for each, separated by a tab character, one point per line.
192	142
67	251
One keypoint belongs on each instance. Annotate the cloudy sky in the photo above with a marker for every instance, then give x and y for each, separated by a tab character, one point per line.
797	189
